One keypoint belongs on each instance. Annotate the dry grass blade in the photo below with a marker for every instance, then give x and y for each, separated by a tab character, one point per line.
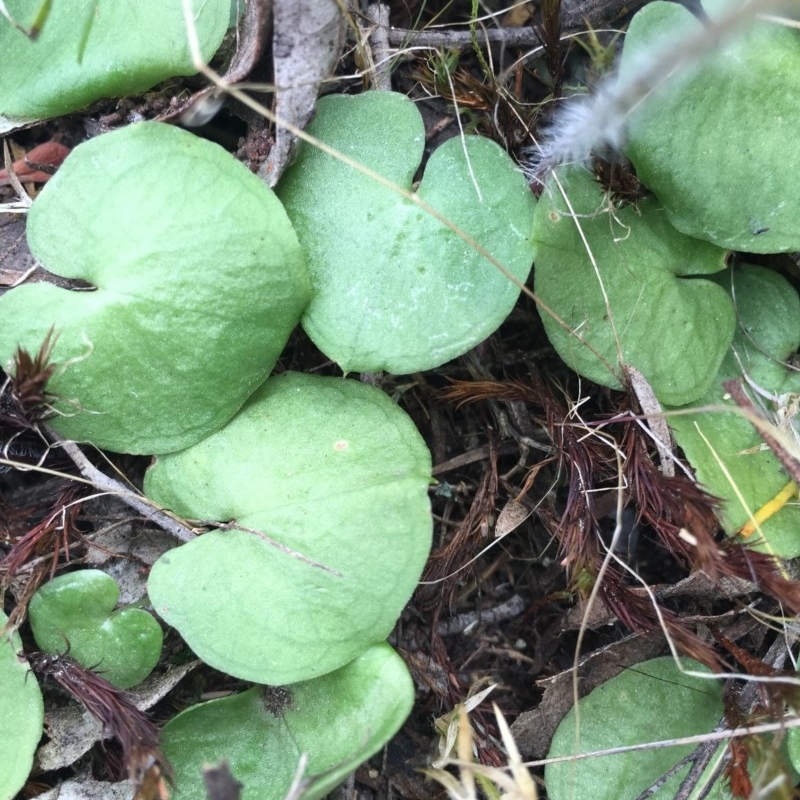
787	459
513	782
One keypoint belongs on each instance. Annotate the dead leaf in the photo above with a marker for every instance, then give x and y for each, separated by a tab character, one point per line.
307	40
533	730
252	35
510	518
38	165
655	419
88	790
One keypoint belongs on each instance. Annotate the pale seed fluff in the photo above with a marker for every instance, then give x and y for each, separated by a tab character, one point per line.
596	123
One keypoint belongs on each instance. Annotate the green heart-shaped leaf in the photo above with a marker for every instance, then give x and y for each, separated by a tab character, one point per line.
793	748
200	280
652	702
76	612
94	48
768	333
332	470
719	148
337	721
394	288
21	715
673	330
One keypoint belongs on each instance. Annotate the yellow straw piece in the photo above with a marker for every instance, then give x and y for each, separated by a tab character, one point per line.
769	509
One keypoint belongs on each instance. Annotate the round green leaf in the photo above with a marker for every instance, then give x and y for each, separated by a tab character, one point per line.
719	149
200	280
97	48
672	325
76	612
21	715
394	288
327	467
793	747
650	702
337	721
768	333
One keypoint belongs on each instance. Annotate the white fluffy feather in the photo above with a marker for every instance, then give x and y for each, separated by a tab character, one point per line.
596	123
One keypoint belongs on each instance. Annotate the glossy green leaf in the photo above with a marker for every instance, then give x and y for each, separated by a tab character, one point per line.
394	289
21	715
78	612
331	469
92	49
200	281
650	702
719	148
673	325
337	721
768	332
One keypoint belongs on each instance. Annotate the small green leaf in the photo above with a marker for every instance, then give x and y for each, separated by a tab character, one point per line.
672	325
92	49
337	721
394	288
650	702
719	148
200	280
793	747
21	715
328	467
76	612
768	333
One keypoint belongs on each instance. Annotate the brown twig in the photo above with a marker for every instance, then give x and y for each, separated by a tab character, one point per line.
377	15
575	17
102	482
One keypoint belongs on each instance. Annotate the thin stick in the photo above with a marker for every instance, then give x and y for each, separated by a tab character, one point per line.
715	736
576	17
171	524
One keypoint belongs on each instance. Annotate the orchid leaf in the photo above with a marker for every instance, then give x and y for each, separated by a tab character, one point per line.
663	316
717	145
91	49
395	289
326	480
336	722
21	715
77	613
197	280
